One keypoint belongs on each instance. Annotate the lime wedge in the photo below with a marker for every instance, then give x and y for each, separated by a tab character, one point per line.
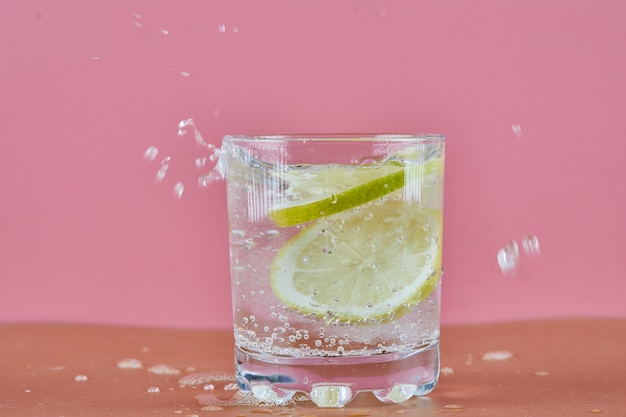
333	190
367	264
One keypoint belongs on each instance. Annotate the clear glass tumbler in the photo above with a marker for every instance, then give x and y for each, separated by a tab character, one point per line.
335	252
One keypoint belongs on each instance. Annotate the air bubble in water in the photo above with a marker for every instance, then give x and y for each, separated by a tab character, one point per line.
530	244
508	257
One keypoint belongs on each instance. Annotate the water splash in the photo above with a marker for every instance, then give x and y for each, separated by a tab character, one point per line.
215	173
165	164
211	164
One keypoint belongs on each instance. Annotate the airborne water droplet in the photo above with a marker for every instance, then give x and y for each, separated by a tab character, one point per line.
200	162
508	257
178	189
530	244
151	153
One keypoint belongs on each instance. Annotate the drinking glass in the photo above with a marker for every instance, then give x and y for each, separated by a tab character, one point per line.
335	254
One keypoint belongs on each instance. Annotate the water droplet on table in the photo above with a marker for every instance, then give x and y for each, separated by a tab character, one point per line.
445	371
200	378
129	363
497	355
163	370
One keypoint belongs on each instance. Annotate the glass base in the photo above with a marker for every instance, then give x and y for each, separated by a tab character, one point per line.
335	381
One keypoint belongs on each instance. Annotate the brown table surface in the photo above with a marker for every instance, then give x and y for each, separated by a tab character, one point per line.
573	367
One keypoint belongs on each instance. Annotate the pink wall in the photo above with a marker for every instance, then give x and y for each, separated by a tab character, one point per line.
86	87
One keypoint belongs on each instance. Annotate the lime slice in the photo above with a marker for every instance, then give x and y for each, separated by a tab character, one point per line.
368	264
317	194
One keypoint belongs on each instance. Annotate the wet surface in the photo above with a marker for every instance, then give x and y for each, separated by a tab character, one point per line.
536	368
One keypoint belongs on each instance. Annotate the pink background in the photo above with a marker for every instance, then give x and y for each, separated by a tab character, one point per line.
86	87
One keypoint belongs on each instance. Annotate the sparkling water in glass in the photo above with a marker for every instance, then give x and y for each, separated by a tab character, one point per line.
335	253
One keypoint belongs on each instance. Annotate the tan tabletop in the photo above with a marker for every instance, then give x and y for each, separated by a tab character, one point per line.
556	368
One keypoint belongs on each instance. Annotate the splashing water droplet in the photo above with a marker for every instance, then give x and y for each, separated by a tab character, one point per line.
160	174
185	73
189	123
530	244
80	378
154	390
221	28
517	130
178	189
151	153
213	162
508	257
200	162
165	31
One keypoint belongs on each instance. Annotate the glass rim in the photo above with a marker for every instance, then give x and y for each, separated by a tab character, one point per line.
337	137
